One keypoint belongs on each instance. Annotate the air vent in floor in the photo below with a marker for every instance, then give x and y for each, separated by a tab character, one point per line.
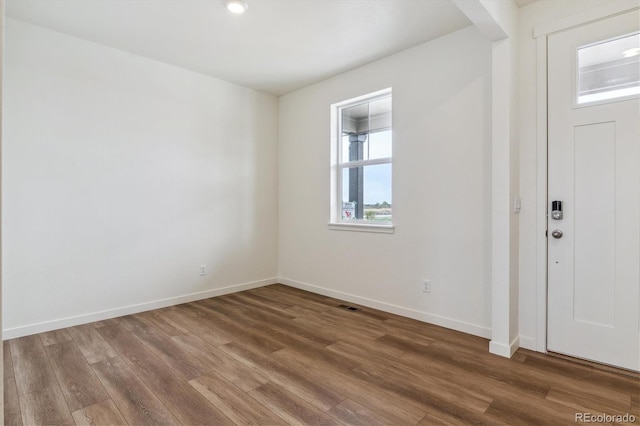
347	307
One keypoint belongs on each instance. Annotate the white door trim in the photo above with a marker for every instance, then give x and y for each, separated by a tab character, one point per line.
541	198
541	33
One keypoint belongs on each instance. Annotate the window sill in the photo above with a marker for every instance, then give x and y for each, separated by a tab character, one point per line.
362	227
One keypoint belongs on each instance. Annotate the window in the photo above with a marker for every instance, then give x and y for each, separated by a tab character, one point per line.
609	70
363	142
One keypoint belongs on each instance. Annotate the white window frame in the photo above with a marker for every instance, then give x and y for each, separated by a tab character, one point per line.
338	165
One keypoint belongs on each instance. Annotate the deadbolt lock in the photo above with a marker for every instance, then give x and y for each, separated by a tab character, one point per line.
556	210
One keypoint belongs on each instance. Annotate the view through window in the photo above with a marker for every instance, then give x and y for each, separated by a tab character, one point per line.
609	69
365	160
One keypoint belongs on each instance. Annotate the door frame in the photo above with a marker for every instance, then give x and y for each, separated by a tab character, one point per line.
541	33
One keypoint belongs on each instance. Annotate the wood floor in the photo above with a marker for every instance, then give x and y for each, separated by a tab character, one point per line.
277	355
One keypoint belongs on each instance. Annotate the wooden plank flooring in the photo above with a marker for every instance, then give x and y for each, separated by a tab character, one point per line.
277	355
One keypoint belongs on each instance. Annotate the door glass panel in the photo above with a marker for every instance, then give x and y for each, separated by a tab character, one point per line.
609	70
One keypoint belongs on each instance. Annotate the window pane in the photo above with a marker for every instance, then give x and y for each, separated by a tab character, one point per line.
366	193
379	114
366	131
352	193
355	119
345	148
379	145
609	70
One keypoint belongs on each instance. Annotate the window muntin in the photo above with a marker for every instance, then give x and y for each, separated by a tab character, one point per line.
365	139
609	70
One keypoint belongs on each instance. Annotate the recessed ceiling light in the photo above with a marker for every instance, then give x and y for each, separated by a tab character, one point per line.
631	52
236	6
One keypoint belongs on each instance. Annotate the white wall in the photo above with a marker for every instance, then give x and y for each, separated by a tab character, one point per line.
497	21
121	176
540	12
505	169
442	187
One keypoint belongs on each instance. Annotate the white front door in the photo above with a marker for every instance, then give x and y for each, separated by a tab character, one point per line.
594	171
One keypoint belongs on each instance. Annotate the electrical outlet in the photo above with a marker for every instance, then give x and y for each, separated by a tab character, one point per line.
426	286
203	270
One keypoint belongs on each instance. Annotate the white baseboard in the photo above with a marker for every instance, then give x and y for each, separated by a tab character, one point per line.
502	349
26	330
527	342
465	327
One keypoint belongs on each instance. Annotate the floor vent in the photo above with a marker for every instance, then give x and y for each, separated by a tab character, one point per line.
347	307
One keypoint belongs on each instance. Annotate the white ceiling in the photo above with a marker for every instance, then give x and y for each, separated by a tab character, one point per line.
277	46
